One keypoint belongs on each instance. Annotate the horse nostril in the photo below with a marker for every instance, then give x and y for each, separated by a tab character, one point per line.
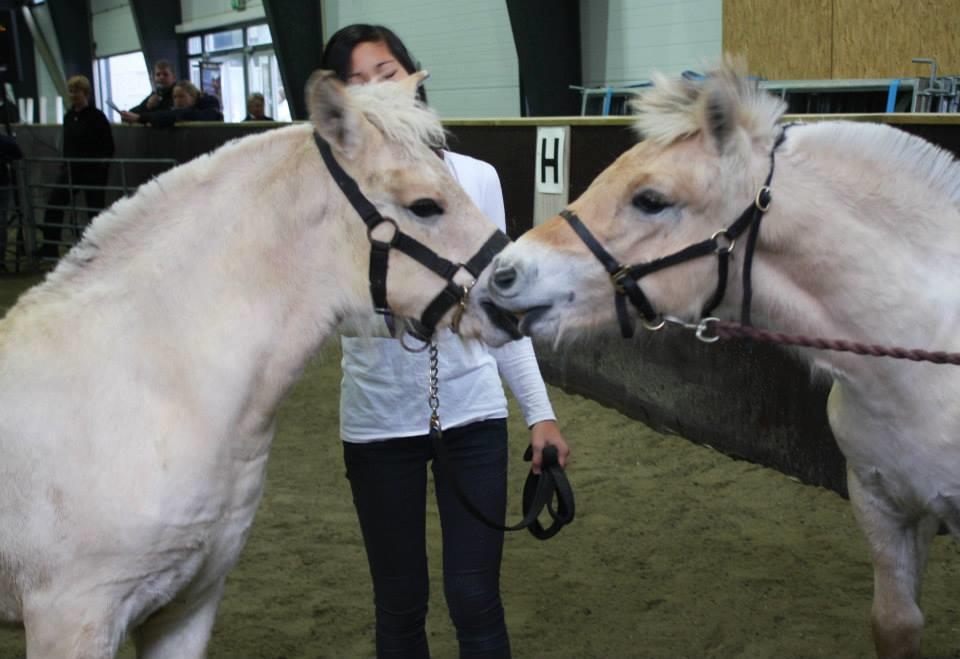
504	277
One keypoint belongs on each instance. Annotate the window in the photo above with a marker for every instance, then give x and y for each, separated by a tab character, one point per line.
122	80
234	63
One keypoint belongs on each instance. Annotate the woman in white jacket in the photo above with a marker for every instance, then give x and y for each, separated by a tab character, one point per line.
384	419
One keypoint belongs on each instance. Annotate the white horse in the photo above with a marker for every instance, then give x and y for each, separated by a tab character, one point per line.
139	383
861	242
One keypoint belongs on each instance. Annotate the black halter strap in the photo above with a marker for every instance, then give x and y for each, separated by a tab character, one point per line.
625	278
451	295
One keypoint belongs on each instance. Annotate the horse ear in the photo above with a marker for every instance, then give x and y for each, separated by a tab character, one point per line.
332	112
721	111
414	81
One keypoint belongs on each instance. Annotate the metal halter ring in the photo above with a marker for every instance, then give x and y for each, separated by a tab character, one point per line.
723	248
403	343
763	208
654	326
384	243
702	327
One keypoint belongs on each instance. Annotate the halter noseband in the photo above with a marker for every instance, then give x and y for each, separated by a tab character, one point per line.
452	294
626	278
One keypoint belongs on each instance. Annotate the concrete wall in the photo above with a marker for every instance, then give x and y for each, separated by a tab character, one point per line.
466	45
624	41
114	31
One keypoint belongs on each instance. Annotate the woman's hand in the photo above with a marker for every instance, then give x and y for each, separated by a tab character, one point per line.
542	434
129	117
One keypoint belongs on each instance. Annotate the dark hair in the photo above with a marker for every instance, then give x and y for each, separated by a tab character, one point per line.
339	49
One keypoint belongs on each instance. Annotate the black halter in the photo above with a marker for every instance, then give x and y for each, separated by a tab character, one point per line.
452	294
625	278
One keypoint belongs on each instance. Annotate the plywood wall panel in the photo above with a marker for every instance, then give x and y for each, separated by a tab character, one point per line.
878	38
781	39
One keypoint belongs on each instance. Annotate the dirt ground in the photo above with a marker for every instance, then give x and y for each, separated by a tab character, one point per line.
677	551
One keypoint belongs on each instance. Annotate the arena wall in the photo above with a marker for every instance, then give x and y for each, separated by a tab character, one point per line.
754	402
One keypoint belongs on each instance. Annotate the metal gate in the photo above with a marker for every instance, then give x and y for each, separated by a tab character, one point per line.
46	203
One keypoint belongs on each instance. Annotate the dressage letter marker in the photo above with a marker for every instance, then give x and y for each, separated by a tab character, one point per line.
550	161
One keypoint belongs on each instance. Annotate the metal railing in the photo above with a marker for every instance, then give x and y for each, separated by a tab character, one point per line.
40	202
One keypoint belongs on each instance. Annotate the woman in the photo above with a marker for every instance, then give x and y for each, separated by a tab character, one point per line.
383	422
86	134
189	104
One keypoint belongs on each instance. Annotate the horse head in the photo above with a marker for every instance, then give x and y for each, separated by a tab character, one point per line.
429	238
705	150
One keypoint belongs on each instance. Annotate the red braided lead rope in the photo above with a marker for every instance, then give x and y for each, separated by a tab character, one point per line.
725	329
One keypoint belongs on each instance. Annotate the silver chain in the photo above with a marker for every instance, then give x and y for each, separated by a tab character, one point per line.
434	399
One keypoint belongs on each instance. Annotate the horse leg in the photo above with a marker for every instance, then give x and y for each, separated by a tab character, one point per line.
61	625
180	630
899	548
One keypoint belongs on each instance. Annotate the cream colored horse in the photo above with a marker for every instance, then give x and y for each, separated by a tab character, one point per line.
861	241
139	382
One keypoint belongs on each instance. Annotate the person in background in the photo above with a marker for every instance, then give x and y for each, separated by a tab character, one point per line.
161	98
384	427
9	152
189	104
86	134
256	106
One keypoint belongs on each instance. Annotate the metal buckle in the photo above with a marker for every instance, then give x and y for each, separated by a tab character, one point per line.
763	208
723	248
462	306
615	277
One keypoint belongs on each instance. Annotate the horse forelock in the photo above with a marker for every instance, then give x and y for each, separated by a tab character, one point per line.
674	108
402	119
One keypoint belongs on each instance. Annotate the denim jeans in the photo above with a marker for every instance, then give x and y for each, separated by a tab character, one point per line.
389	484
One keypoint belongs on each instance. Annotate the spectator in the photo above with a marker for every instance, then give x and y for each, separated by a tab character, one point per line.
255	108
9	151
86	134
161	98
189	104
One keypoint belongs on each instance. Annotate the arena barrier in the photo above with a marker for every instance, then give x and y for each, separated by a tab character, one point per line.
754	402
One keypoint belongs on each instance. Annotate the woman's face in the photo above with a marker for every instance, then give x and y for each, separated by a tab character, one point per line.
372	61
182	98
78	98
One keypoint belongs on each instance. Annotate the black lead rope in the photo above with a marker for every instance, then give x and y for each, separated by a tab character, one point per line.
625	278
539	492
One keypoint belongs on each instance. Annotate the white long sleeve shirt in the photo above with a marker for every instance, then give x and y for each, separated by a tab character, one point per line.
383	393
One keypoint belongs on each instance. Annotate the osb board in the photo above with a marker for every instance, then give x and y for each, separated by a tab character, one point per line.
781	39
878	38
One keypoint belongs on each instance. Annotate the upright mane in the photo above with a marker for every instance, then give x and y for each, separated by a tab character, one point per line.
401	118
901	153
675	108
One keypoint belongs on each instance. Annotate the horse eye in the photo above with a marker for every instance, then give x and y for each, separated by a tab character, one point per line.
650	202
425	208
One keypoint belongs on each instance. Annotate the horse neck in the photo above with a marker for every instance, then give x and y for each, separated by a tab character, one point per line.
857	255
246	271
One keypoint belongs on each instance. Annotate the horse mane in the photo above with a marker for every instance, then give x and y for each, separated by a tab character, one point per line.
902	152
676	108
401	118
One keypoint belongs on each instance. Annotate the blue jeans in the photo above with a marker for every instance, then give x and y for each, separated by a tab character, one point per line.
389	484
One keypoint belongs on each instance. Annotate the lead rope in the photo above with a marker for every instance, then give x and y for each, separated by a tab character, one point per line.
538	491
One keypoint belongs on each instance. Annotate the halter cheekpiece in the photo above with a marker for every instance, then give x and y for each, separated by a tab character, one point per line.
451	296
626	278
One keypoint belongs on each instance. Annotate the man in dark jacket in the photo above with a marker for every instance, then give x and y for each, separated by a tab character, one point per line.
86	134
189	104
161	98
